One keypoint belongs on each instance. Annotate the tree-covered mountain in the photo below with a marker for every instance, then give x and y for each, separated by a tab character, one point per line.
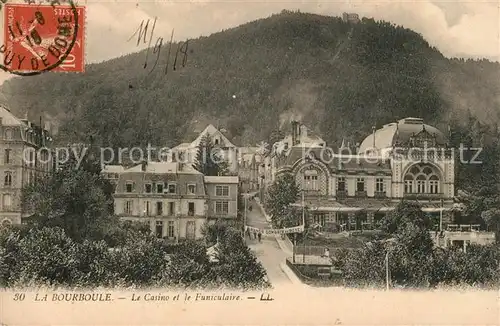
340	78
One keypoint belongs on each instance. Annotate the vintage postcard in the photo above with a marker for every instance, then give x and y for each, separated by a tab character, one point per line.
249	162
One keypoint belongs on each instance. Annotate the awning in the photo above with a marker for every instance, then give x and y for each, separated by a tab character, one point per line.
436	209
339	209
335	207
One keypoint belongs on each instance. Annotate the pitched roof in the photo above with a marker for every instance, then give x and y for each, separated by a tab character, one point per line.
333	160
183	146
161	167
221	179
182	180
8	118
113	169
211	130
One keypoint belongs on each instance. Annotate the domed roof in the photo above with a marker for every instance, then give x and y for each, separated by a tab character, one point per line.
400	134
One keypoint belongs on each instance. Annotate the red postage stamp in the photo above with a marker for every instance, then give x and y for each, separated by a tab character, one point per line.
42	38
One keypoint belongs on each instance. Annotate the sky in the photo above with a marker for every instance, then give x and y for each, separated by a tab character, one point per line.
467	29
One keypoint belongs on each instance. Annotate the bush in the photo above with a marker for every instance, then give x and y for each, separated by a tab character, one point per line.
47	256
44	256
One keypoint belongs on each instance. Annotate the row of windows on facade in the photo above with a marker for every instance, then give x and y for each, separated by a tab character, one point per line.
158	188
9	135
7	180
420	184
170	229
221	208
343	218
311	183
7	157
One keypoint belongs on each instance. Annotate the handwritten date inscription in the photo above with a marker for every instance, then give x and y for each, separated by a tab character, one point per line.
181	53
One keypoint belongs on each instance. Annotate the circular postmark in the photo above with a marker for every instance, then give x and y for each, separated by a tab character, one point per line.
37	38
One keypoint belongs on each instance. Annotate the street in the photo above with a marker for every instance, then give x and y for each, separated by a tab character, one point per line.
268	251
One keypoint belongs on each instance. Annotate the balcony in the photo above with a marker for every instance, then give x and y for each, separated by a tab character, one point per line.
361	194
341	194
190	213
311	193
463	227
380	194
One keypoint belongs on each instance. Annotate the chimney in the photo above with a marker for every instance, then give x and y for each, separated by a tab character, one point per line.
295	126
373	132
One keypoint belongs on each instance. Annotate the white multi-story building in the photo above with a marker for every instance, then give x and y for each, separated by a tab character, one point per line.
174	199
24	156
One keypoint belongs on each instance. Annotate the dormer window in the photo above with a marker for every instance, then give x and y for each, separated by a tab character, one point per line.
8	134
159	188
129	186
191	189
148	188
172	188
216	141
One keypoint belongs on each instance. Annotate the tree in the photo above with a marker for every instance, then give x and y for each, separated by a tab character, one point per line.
405	213
209	159
117	231
491	218
281	194
238	267
71	198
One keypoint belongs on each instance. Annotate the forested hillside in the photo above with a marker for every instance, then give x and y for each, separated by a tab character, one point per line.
339	78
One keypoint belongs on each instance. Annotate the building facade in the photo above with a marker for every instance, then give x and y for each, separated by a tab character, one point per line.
250	159
24	157
174	199
187	152
346	191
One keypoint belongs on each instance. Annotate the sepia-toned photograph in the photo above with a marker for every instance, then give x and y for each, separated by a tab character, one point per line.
249	162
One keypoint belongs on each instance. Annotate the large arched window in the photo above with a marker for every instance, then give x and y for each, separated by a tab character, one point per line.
8	179
421	179
311	180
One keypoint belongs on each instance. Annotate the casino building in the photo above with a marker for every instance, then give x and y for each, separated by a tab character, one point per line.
346	190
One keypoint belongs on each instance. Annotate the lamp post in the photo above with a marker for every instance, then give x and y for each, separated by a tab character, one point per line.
294	245
304	233
390	242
